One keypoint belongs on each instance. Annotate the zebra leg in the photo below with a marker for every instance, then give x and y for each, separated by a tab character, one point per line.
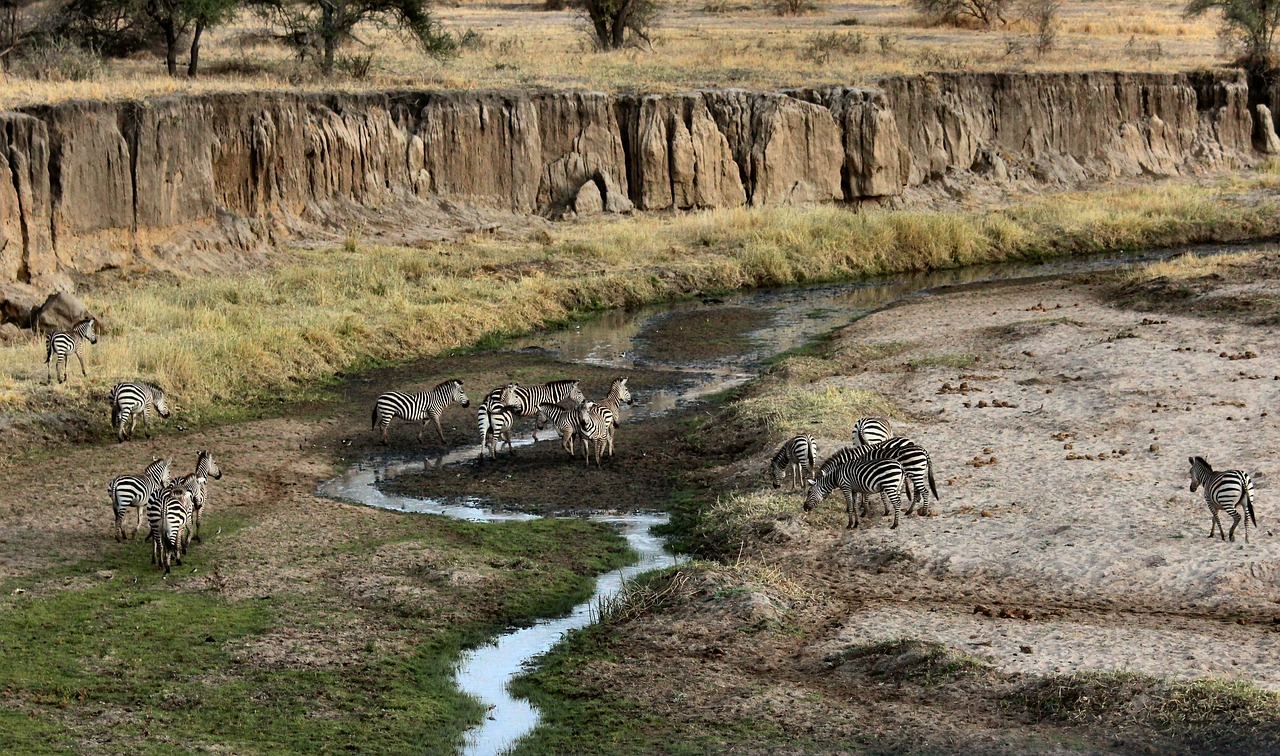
1217	522
83	372
439	430
146	425
1235	520
137	525
850	501
119	526
896	497
61	369
195	524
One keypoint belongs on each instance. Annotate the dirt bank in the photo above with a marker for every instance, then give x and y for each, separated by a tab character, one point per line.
1066	546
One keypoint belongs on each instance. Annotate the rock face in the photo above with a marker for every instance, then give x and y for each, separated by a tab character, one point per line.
59	312
181	182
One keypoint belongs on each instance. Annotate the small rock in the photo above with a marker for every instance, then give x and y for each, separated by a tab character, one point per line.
987	513
1154	447
1026	649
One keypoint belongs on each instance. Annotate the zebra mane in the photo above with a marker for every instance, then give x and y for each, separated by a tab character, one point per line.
1201	462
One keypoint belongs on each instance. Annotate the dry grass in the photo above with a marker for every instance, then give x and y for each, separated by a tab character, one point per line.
1187	266
244	340
696	44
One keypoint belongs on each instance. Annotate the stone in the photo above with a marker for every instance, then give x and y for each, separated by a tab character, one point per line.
59	311
797	153
10	333
588	200
615	197
1268	142
16	303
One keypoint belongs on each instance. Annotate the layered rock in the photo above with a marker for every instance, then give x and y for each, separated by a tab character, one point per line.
179	181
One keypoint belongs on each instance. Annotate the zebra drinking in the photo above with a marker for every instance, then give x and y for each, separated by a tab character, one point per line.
883	476
60	345
130	399
1229	491
795	456
134	491
426	407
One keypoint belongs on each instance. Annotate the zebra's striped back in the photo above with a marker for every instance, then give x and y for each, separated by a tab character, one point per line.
427	406
134	491
595	424
128	400
913	457
796	455
1229	491
60	345
169	514
869	431
524	400
864	476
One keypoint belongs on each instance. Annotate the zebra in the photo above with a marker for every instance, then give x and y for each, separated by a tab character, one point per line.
128	399
413	407
494	421
883	476
870	431
913	458
795	456
134	491
1225	491
60	345
605	415
595	424
524	400
197	483
169	515
565	422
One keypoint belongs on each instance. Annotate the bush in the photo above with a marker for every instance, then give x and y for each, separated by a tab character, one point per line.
792	7
1043	15
823	47
963	12
1249	25
58	59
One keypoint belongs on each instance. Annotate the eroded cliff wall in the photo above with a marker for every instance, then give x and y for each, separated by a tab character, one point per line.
185	179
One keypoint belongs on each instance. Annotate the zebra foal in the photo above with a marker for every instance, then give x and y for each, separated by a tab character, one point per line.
1229	491
128	400
597	421
60	345
427	407
198	484
565	421
883	476
134	491
169	514
795	456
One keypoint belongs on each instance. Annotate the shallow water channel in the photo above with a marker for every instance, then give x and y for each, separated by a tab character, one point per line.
618	339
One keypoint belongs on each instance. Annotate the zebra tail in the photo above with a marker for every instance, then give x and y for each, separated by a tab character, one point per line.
374	417
1248	502
48	349
933	486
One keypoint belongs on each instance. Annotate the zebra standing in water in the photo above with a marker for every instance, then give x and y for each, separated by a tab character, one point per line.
604	416
1229	491
134	491
913	458
565	421
413	407
169	514
60	345
870	431
794	456
883	476
130	399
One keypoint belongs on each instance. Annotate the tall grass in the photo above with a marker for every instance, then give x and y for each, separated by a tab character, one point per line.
242	340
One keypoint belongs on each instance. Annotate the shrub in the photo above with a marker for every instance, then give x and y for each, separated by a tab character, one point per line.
963	12
58	59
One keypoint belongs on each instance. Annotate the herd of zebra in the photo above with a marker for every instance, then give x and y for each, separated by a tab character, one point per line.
558	404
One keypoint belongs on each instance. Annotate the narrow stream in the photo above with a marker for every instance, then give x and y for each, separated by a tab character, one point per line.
794	317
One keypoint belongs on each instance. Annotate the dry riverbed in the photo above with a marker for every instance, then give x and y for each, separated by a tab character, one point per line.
1063	596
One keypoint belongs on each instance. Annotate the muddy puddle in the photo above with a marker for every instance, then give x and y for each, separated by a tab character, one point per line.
685	352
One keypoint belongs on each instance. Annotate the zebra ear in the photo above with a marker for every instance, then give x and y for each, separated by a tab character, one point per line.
809	482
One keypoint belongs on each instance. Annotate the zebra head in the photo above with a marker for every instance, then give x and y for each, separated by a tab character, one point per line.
207	467
619	389
511	398
775	473
88	329
459	395
1200	471
161	404
814	496
543	418
575	394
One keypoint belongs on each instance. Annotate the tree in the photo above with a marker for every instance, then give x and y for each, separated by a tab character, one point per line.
611	20
1250	24
327	25
984	12
174	18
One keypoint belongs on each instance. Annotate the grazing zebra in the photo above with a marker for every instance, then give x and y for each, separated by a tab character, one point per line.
883	476
795	456
169	515
565	421
134	491
525	399
870	431
413	407
913	458
1229	491
198	484
128	399
494	421
60	345
595	425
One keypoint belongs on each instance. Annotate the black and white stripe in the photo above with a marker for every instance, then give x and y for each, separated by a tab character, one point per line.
913	458
565	421
169	514
128	400
426	407
797	456
883	476
870	431
524	400
134	491
494	421
198	484
60	345
604	417
1229	491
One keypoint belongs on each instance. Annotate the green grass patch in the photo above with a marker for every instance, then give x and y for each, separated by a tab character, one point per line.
923	662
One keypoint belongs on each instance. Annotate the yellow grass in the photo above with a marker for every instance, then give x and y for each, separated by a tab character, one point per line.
693	47
237	341
1188	266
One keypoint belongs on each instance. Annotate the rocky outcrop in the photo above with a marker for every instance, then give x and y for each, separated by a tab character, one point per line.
182	182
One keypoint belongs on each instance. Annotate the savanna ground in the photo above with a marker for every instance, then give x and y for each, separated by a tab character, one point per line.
1062	596
304	624
696	44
